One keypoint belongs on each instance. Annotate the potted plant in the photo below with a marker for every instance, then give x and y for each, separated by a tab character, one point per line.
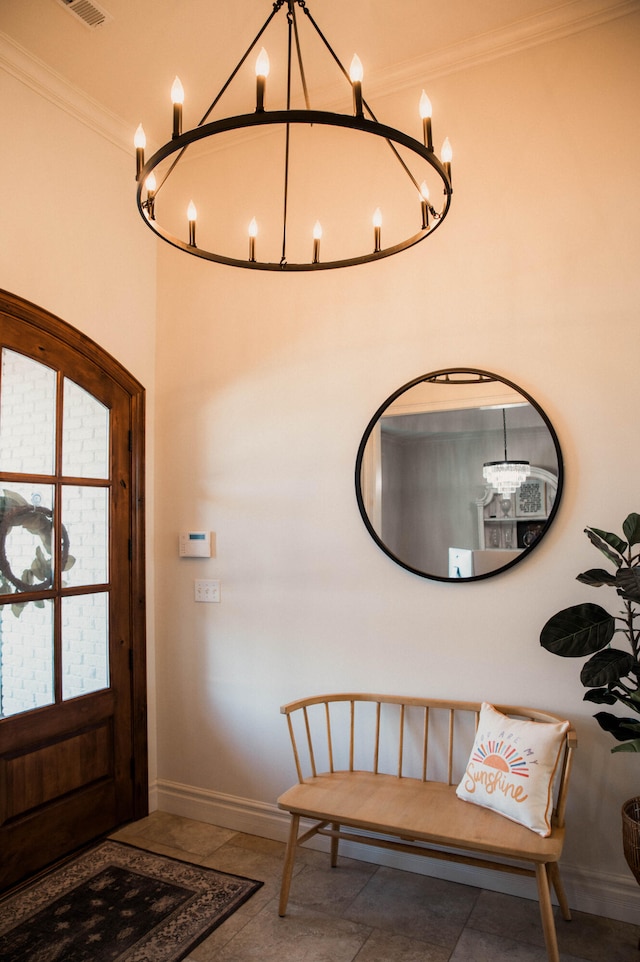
611	674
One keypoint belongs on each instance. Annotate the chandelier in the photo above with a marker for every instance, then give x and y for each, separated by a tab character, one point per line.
505	476
194	197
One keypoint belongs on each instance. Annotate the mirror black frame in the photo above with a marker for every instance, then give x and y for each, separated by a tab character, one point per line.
475	375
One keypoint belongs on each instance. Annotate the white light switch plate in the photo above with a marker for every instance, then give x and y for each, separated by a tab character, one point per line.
206	590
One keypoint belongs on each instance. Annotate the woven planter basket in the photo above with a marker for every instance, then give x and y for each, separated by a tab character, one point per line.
631	834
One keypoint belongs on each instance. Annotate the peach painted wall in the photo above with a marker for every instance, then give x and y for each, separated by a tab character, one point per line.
266	383
98	273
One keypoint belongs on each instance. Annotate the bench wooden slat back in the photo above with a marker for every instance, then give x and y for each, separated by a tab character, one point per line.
329	741
421	745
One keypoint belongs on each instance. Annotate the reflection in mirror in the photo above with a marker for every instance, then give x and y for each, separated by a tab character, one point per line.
419	475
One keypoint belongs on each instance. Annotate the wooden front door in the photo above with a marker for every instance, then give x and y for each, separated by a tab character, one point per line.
72	646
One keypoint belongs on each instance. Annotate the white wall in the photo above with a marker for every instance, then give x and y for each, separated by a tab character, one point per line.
266	383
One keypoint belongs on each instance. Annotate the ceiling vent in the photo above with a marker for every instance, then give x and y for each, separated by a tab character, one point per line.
90	13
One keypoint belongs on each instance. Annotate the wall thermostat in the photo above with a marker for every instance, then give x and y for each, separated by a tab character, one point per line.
195	544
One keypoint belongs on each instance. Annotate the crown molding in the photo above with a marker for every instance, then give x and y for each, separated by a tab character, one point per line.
35	74
562	21
570	18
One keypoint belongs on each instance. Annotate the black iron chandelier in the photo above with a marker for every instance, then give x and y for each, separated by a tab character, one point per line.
297	243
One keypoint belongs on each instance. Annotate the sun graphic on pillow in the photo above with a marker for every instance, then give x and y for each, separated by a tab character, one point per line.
502	756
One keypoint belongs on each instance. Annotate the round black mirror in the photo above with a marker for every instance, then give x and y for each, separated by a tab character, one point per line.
459	475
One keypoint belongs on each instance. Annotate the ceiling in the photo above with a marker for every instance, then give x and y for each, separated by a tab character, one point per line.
125	67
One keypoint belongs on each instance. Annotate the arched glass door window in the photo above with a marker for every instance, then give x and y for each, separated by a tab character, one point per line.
54	440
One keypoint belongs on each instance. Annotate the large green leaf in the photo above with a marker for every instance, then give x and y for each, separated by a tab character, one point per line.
601	696
597	577
578	631
631	528
628	584
621	728
607	667
604	541
632	746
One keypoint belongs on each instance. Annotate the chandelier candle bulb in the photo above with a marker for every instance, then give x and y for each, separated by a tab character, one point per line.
377	228
317	236
253	233
177	99
425	113
424	204
192	215
262	72
356	74
446	155
140	142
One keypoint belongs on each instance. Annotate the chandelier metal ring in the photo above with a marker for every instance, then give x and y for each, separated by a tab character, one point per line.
307	117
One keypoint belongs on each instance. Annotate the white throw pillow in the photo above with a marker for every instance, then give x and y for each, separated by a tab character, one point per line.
512	766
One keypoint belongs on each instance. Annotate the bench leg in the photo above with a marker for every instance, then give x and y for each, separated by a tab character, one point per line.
334	845
289	859
554	875
546	913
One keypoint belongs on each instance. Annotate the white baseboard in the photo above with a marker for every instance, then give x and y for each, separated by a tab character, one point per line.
611	896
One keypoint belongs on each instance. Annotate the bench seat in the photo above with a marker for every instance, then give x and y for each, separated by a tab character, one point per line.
428	812
382	770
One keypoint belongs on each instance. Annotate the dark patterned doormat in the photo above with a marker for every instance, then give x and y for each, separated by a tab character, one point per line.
117	903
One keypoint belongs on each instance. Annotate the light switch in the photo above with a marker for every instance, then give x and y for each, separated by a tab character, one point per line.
206	590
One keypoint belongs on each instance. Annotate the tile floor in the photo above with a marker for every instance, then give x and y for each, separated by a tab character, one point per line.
365	913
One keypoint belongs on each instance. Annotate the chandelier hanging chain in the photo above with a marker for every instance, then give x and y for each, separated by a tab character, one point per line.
504	432
291	18
303	78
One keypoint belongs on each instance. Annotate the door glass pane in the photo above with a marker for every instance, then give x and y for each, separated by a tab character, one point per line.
26	657
85	649
26	512
85	434
84	518
27	415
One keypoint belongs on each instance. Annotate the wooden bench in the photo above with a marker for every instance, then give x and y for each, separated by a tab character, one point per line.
385	768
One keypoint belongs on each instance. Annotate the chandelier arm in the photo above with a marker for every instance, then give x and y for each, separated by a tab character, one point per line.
303	78
276	7
328	46
406	169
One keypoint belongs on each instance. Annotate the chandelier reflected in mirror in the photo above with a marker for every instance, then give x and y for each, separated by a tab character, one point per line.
292	188
505	476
